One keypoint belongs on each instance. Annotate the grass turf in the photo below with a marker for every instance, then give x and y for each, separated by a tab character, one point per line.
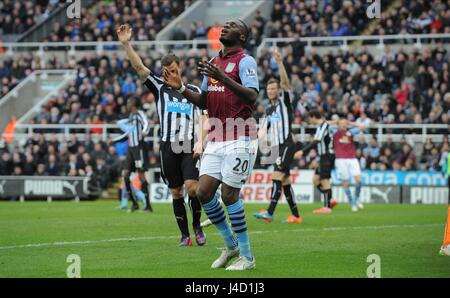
114	243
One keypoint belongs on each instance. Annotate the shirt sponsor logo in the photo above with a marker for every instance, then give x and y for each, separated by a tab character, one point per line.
179	107
344	140
215	88
275	117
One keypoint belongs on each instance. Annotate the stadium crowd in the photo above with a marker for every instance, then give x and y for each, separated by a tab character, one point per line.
16	17
297	18
147	16
390	87
12	71
416	17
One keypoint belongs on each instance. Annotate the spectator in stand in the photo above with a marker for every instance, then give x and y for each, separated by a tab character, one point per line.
6	165
372	153
407	159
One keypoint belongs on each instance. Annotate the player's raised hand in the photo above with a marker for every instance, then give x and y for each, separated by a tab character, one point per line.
210	70
124	33
172	78
277	56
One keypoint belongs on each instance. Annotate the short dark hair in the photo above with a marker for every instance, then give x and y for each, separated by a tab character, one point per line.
315	114
136	102
170	58
273	81
247	32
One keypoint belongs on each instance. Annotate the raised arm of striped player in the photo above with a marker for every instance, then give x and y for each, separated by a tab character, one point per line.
284	79
124	33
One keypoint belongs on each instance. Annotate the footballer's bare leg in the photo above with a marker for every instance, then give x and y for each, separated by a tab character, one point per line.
196	210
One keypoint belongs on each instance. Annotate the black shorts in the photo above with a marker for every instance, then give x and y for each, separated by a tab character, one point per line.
176	167
326	165
137	159
286	156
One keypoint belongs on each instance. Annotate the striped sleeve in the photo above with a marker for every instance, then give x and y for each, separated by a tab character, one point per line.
145	125
321	132
154	84
286	95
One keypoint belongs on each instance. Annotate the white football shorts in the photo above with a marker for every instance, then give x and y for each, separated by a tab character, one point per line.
230	162
347	168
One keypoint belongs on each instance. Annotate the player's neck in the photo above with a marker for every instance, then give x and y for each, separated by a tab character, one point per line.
227	49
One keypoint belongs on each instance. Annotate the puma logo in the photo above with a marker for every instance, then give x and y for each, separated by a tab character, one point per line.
382	194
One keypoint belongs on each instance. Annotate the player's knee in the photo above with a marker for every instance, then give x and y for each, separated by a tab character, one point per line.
325	184
191	188
203	194
177	192
346	183
316	180
192	191
229	195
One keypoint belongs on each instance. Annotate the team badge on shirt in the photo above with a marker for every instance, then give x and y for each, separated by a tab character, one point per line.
230	67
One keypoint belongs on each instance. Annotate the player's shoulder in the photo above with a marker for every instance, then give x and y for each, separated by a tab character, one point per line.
248	66
244	57
141	113
194	88
285	94
153	78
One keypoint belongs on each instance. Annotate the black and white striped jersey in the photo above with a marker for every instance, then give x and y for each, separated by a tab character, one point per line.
176	114
278	120
139	128
324	139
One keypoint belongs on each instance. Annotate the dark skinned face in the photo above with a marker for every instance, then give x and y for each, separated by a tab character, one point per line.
233	33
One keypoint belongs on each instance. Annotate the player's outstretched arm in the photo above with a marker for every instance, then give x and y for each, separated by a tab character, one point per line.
284	79
124	34
124	125
208	69
173	80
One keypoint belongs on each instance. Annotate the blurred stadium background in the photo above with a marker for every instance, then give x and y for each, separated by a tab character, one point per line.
64	82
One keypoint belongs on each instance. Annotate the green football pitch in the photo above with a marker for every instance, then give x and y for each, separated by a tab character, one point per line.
37	237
